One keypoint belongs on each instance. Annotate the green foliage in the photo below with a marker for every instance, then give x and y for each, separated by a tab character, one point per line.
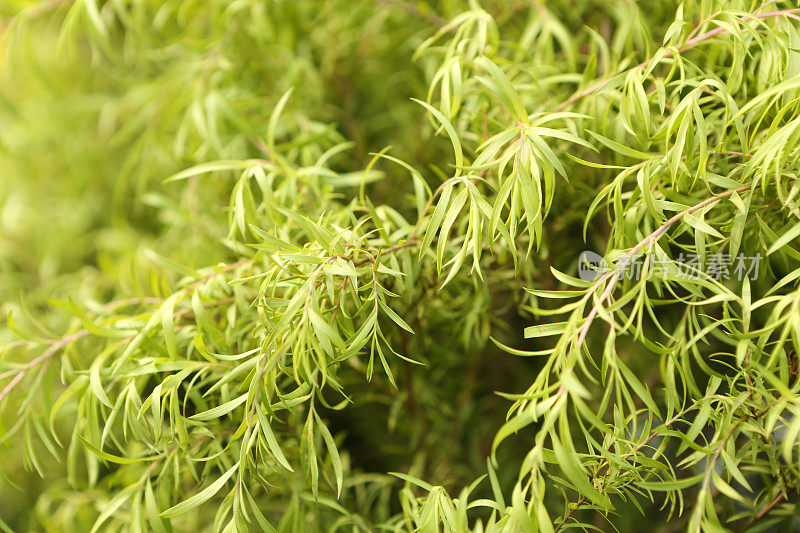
314	266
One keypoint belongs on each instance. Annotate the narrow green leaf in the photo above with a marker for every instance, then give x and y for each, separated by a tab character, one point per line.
201	497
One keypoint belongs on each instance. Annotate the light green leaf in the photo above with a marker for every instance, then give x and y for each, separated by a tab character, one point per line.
201	497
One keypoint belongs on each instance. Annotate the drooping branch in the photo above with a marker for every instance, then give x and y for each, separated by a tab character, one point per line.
612	279
690	43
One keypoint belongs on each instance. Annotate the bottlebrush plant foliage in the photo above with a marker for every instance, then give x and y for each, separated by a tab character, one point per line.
319	266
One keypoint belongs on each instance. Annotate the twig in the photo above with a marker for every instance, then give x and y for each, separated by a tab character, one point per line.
46	355
712	461
607	464
669	53
20	373
763	512
627	258
570	513
389	250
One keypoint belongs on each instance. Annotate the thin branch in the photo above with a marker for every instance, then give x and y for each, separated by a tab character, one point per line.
627	258
45	356
569	514
389	250
606	464
20	373
763	512
690	43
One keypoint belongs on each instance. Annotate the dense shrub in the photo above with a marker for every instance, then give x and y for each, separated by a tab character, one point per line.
399	265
